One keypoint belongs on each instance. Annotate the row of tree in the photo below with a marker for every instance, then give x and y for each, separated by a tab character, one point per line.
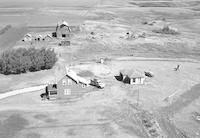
22	60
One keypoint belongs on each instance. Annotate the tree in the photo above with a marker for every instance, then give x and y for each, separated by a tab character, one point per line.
49	58
22	60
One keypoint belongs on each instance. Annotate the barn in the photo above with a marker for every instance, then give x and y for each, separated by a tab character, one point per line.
69	86
47	38
62	30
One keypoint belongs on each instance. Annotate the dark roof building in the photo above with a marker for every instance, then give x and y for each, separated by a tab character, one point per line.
70	86
132	77
62	30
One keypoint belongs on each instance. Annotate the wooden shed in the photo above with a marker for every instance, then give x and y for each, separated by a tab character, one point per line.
131	77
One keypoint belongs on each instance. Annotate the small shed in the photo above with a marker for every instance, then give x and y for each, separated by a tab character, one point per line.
38	37
51	91
131	77
54	34
47	38
27	37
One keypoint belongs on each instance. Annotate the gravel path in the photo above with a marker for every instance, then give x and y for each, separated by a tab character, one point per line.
21	91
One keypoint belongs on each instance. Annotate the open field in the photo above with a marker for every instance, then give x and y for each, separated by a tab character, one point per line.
112	111
102	110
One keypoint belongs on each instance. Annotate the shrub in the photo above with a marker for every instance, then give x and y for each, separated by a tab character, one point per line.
5	29
167	30
22	60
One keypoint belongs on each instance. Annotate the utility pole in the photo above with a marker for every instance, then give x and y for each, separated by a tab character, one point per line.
138	97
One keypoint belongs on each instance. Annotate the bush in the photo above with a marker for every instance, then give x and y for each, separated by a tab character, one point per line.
5	29
22	60
167	30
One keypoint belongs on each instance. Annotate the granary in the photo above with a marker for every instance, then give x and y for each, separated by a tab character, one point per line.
47	38
27	37
131	77
69	86
62	30
38	37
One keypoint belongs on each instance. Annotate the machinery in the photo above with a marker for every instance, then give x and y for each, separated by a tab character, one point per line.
97	83
149	74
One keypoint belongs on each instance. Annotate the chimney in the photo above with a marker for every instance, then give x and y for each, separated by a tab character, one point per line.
67	69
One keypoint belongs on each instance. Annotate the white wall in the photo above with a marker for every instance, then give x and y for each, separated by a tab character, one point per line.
137	81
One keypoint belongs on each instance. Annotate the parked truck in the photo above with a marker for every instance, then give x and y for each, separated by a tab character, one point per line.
97	83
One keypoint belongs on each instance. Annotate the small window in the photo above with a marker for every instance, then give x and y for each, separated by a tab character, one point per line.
83	85
67	91
55	86
53	93
64	82
69	81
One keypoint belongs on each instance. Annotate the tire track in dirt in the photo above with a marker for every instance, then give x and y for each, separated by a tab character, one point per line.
183	101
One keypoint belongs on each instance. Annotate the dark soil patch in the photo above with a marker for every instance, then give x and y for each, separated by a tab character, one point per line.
33	135
184	100
40	116
86	73
156	4
5	29
49	120
45	118
71	132
12	125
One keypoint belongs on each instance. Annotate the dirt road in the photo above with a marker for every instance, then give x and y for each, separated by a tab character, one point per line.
21	91
164	113
183	101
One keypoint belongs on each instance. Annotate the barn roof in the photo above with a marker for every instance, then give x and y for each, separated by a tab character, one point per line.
72	75
132	73
28	35
39	36
64	23
49	36
76	78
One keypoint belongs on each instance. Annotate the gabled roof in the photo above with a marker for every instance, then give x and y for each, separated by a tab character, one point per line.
76	78
72	75
83	80
49	36
131	73
64	23
28	35
51	87
39	36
